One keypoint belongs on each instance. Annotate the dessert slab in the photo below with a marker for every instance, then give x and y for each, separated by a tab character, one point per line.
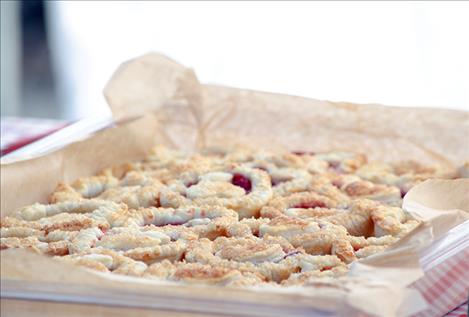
175	110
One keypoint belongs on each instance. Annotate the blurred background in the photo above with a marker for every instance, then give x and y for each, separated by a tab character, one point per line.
57	56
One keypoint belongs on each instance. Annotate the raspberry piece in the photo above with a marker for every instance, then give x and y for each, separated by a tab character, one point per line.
300	153
403	193
191	184
242	181
337	183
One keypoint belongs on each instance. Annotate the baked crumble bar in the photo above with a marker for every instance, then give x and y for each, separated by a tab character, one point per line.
234	217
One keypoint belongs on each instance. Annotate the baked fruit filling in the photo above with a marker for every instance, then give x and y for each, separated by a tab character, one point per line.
232	217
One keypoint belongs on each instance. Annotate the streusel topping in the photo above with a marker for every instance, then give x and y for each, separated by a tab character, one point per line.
234	217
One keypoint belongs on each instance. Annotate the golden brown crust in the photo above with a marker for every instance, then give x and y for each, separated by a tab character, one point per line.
236	218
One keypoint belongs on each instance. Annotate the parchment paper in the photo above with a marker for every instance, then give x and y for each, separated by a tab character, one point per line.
177	111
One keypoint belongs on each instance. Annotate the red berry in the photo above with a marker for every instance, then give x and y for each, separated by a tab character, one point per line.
191	184
242	181
337	183
300	153
334	165
403	193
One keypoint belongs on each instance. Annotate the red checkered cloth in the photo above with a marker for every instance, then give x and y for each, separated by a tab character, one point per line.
19	132
461	311
446	287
